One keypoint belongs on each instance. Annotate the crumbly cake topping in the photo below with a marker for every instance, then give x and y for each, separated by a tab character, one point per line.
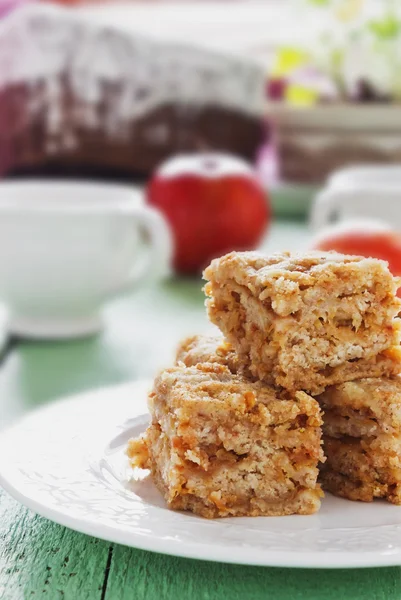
206	349
287	271
301	264
209	383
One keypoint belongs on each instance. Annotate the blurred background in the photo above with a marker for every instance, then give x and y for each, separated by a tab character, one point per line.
298	88
242	123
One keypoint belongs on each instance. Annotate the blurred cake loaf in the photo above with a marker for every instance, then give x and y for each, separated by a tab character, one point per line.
79	97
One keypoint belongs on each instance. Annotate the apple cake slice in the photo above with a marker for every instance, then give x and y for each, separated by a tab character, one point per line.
362	439
307	321
219	445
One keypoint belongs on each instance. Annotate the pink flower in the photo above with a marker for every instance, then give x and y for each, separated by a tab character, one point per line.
6	6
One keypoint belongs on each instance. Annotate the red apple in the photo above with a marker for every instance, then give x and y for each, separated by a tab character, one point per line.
363	238
213	202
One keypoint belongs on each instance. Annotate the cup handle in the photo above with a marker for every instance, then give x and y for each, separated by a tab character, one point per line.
324	208
156	260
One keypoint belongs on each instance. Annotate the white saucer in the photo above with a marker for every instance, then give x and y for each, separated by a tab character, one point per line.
55	329
66	461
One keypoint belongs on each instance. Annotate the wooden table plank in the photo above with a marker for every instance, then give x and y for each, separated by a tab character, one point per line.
40	558
147	576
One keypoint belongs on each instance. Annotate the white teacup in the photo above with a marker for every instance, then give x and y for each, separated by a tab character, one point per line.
372	192
66	247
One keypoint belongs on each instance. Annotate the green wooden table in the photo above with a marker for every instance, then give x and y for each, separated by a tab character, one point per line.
39	559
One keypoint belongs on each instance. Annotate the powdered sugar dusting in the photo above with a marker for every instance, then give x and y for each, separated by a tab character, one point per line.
84	75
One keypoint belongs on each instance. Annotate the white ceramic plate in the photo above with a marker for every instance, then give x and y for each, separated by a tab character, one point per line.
66	461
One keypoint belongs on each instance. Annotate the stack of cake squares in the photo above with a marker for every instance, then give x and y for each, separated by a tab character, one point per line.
301	391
